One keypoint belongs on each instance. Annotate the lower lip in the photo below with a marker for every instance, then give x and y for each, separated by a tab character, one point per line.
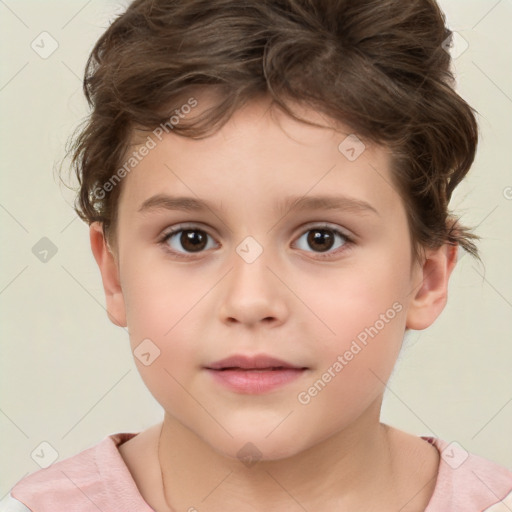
255	381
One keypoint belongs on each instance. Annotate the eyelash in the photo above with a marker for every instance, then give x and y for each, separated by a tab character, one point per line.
349	242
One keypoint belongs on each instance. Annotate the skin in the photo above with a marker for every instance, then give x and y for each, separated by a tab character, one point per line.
333	452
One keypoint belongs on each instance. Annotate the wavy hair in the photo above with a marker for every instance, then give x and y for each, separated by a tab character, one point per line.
378	66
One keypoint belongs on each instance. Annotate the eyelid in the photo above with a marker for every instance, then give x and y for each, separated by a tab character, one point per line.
176	228
327	225
183	226
167	233
350	240
303	229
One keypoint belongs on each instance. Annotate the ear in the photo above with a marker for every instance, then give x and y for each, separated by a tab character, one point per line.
109	274
431	294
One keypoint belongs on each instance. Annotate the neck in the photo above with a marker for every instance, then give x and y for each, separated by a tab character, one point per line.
354	462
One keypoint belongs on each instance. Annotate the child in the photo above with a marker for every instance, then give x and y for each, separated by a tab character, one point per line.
265	128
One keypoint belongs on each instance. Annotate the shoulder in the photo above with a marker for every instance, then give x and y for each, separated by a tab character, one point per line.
96	474
469	482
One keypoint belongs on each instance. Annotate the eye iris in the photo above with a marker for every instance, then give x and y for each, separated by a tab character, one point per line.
323	237
193	240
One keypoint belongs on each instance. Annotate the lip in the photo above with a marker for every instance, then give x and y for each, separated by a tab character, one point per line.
251	362
256	374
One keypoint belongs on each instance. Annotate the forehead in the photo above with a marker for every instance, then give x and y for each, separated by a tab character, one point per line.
263	154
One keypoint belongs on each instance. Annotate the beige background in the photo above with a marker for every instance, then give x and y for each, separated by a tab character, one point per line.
67	376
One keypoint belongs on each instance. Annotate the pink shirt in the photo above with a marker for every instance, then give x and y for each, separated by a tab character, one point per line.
98	479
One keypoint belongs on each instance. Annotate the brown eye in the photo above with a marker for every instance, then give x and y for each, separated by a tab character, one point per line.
186	241
193	240
322	239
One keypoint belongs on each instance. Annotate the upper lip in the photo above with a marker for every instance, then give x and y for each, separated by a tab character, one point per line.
248	362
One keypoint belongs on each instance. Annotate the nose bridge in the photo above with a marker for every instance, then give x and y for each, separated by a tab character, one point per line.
252	293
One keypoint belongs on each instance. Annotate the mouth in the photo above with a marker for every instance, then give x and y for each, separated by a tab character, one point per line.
260	362
270	369
254	374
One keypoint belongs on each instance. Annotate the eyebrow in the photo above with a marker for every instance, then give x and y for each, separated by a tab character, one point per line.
290	204
326	202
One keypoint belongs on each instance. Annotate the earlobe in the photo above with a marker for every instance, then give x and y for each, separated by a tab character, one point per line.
109	270
430	291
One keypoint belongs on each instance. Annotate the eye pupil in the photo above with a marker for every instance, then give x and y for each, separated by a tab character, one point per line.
322	237
193	240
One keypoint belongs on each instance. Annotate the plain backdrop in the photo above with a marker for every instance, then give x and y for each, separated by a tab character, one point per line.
67	375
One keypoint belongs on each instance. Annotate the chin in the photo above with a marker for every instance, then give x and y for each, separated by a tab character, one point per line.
257	447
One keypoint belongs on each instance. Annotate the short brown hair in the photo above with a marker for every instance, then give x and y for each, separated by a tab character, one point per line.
378	66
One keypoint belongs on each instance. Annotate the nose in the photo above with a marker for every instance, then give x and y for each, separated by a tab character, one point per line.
253	294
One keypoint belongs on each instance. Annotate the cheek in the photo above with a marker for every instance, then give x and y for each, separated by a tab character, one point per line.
357	343
160	295
349	300
367	343
353	366
160	303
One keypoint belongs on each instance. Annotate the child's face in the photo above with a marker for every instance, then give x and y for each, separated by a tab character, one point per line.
289	303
